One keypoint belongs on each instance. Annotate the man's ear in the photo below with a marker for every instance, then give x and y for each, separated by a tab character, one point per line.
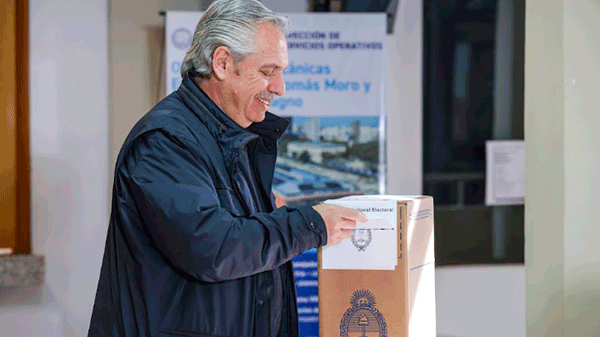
220	62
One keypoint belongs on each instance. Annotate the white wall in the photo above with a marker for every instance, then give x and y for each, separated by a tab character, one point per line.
69	158
582	164
544	162
405	100
562	142
476	301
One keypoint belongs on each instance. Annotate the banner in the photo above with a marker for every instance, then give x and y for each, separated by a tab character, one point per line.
335	92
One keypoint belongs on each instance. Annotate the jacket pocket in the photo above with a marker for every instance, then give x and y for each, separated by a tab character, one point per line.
181	333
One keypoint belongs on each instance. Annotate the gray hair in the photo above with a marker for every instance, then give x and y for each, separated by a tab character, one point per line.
229	23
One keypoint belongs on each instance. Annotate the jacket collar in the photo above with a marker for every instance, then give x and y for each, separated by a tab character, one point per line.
221	126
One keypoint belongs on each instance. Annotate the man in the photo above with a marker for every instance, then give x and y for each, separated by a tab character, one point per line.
195	246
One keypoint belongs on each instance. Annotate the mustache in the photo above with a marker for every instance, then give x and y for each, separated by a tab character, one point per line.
267	95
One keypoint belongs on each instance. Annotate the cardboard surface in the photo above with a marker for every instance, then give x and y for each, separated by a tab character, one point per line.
400	302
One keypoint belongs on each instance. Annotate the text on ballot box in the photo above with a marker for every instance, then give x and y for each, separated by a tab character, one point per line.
307	292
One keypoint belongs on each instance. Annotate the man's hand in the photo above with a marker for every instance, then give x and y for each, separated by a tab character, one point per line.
340	221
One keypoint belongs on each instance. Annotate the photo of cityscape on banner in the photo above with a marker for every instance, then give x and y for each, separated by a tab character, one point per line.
329	157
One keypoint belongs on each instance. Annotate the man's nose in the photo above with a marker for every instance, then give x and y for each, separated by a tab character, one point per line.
277	84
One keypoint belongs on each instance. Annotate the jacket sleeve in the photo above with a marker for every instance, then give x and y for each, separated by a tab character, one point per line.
179	207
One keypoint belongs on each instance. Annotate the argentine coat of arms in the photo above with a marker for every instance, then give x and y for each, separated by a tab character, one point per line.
361	238
363	319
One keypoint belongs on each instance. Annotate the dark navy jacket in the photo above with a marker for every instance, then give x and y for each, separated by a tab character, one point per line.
195	246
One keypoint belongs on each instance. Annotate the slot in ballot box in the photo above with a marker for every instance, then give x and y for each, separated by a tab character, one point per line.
364	292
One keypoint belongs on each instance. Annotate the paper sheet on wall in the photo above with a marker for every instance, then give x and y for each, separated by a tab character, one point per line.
505	172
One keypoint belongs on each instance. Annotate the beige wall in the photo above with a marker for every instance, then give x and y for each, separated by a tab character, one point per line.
136	67
562	142
582	164
544	138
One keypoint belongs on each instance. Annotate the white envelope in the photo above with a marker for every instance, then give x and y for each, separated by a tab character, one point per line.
372	246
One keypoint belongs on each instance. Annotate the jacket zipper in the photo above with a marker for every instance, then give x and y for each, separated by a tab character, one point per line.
265	195
235	186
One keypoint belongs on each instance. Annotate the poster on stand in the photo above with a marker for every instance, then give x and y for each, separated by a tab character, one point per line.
334	101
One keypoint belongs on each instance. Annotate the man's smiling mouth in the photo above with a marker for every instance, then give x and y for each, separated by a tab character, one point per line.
265	102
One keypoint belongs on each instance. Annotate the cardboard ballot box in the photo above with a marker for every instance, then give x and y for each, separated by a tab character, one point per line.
382	299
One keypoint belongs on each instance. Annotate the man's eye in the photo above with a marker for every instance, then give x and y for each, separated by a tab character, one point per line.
267	72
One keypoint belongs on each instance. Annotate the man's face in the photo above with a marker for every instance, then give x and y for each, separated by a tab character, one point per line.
253	81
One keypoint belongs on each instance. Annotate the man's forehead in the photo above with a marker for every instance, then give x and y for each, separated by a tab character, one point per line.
272	47
268	34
